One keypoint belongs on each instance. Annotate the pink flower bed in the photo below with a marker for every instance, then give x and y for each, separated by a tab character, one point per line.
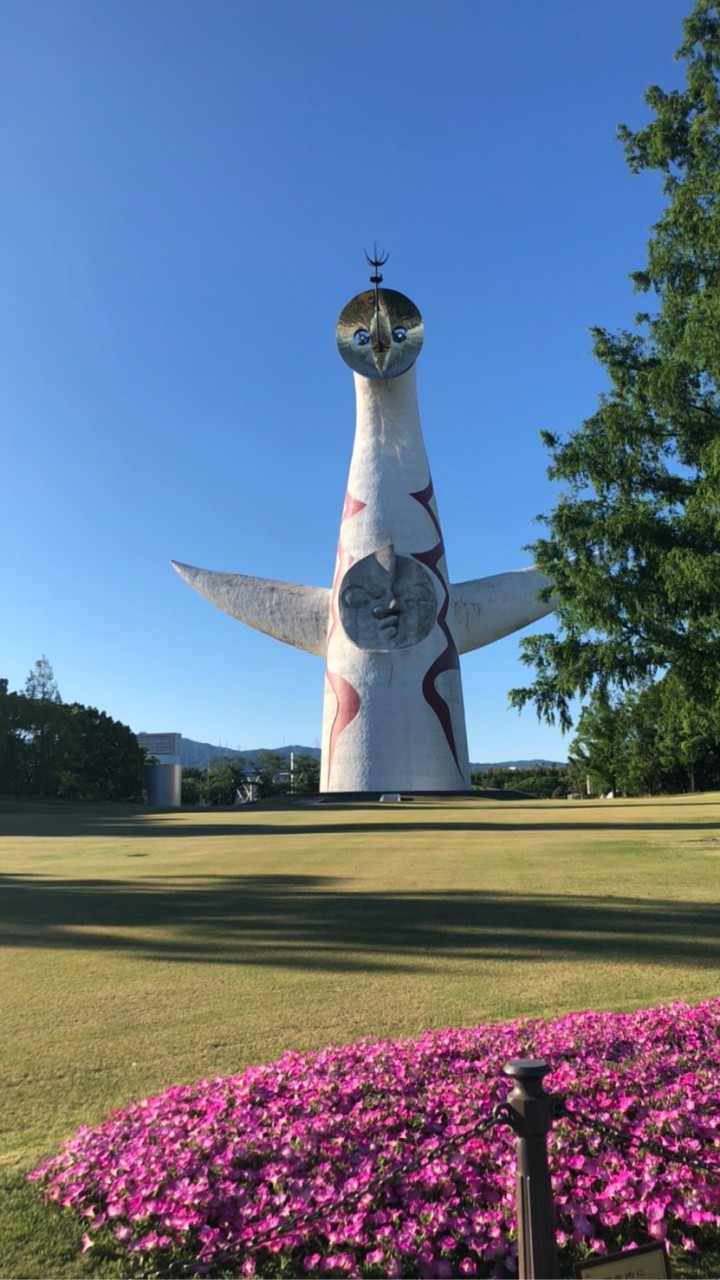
301	1166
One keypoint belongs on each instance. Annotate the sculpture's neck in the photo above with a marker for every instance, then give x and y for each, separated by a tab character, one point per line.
387	411
388	426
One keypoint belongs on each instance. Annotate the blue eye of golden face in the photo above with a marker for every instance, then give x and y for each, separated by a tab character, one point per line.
361	337
399	334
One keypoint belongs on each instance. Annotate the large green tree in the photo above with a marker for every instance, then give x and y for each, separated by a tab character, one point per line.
609	751
12	739
44	729
653	740
49	748
633	545
106	760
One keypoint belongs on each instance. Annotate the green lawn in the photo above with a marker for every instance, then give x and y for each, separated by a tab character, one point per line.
144	949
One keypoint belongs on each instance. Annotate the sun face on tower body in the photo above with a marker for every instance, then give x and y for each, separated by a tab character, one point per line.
380	333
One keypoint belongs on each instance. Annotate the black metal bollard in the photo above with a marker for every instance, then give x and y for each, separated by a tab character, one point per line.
529	1112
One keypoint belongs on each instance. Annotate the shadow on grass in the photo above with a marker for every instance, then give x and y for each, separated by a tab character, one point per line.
316	922
43	821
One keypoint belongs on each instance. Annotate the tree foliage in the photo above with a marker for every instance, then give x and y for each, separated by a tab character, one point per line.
43	728
652	741
217	785
268	771
224	777
306	773
633	545
49	748
544	781
270	774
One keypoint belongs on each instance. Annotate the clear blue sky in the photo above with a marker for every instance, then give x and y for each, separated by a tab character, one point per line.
187	189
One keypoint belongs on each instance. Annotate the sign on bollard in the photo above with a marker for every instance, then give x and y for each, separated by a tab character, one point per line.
642	1262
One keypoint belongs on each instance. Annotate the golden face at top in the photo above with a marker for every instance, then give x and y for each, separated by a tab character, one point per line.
380	333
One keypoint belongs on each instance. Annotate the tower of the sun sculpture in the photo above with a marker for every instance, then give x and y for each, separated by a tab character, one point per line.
392	626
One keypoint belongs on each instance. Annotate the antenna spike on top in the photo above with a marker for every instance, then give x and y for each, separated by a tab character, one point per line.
378	260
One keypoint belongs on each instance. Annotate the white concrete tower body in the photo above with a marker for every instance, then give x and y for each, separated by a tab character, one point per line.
393	715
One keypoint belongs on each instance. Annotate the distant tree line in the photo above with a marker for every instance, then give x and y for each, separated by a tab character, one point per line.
545	782
270	773
52	748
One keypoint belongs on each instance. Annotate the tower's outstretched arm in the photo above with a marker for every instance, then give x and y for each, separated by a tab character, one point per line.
294	614
482	610
486	609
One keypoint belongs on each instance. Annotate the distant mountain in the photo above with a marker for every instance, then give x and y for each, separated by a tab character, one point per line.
197	755
519	764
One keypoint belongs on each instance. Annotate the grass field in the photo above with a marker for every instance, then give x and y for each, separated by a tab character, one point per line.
144	949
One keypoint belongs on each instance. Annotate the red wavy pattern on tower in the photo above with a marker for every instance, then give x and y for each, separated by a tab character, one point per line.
348	705
347	697
351	506
448	660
